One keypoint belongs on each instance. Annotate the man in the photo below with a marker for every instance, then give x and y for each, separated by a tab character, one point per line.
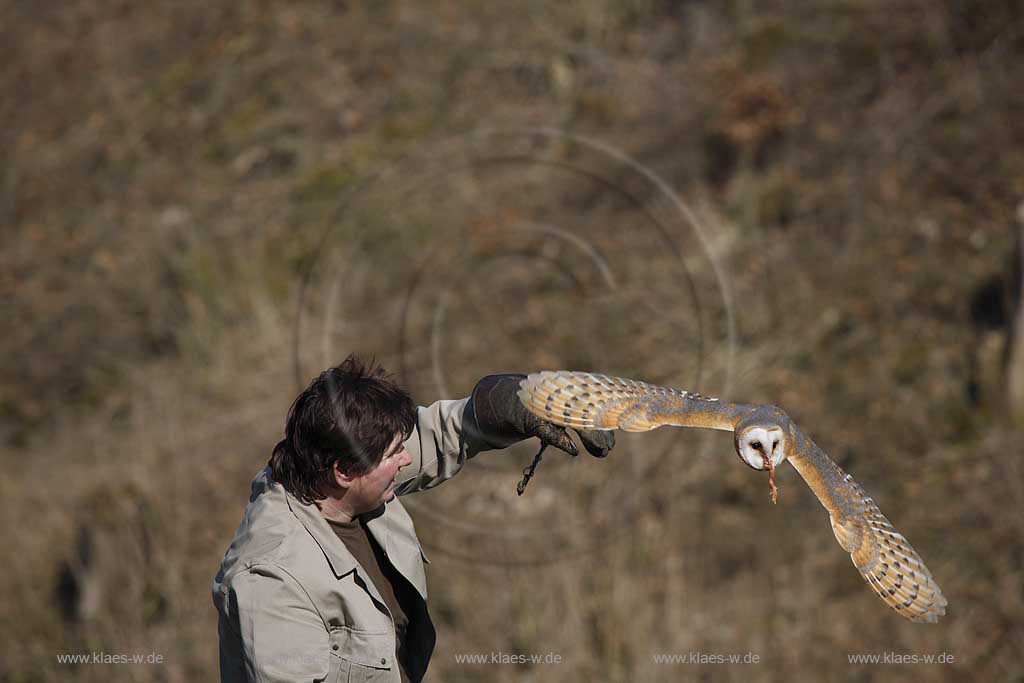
324	579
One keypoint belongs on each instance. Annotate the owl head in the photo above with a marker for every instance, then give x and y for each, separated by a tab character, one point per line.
763	434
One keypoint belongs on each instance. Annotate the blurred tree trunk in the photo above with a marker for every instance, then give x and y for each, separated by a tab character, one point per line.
1015	363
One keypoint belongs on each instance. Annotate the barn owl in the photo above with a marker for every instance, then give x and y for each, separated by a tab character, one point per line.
764	437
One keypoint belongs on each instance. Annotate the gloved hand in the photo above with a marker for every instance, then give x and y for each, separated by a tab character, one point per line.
502	420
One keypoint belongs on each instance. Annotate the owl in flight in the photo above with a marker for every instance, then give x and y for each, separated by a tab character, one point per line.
764	437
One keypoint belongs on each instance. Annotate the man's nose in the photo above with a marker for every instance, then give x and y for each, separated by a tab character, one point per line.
406	458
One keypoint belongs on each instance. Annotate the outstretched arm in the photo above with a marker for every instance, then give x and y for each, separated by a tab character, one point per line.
439	446
448	433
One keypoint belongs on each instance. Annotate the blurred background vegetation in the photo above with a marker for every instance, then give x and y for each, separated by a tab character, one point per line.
203	204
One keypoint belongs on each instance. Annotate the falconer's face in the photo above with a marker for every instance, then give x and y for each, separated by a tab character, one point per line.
369	491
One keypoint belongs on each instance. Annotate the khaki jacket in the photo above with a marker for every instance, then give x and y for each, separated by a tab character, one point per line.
293	603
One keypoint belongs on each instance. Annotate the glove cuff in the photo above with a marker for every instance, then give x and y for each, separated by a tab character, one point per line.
497	413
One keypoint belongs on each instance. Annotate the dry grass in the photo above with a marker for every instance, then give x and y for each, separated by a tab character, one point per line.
179	181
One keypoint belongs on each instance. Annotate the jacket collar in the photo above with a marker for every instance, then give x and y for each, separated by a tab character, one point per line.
390	526
309	516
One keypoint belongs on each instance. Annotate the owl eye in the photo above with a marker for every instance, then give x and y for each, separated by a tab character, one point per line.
756	445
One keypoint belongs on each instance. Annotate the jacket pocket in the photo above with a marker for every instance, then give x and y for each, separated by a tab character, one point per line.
362	656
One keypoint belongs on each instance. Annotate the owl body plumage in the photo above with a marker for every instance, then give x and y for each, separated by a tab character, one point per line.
883	556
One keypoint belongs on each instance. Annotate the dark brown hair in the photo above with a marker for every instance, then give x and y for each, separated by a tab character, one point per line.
349	415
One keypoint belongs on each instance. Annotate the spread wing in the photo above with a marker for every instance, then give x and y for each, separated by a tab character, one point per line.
883	556
586	400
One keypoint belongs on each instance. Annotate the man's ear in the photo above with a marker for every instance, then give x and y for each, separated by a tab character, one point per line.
341	480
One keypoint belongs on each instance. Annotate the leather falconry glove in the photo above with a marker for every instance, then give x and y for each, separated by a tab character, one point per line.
503	420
